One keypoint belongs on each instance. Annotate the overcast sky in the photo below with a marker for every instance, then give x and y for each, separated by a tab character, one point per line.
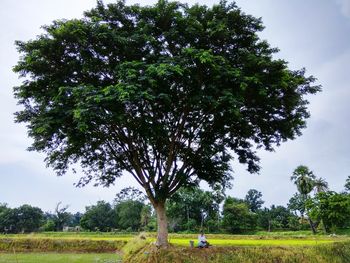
314	34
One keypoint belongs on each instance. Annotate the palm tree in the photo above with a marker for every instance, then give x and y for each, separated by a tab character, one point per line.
304	179
320	185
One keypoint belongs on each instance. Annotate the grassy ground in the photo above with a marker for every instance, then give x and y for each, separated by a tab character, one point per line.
59	258
74	235
108	242
139	251
258	242
245	254
261	247
37	244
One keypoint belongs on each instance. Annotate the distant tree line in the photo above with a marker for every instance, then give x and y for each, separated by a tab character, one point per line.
312	207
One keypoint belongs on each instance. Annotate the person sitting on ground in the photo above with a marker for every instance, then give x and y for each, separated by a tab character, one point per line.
202	241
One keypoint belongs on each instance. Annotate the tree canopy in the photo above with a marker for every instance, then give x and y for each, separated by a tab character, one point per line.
24	219
332	208
168	93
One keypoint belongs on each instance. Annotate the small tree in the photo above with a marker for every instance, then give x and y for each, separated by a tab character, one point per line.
192	208
332	208
164	93
264	219
237	217
297	204
61	216
129	215
182	209
99	217
347	184
131	211
253	199
280	216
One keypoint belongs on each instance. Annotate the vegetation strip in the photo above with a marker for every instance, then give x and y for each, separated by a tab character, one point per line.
337	252
59	258
59	245
252	242
107	243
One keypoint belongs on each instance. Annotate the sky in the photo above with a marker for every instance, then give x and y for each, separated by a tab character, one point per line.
314	34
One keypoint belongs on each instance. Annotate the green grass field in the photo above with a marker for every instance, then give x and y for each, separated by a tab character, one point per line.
59	258
87	241
101	247
281	239
235	249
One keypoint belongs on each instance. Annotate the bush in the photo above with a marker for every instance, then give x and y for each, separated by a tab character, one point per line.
49	225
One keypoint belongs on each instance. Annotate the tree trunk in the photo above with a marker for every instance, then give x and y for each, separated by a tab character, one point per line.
188	218
202	220
325	229
312	226
162	222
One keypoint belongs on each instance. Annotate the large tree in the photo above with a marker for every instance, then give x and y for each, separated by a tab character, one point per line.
167	93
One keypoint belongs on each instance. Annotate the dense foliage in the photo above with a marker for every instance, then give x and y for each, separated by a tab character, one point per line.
23	219
237	217
99	217
332	208
129	215
194	208
189	210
